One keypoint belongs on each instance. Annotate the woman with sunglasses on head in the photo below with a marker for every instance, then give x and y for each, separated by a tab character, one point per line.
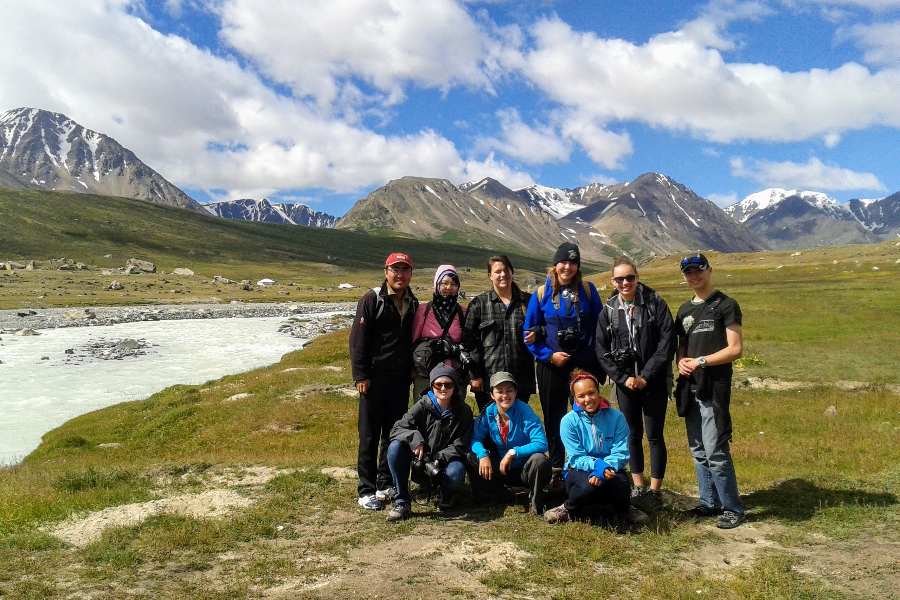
567	309
636	344
495	335
433	437
438	332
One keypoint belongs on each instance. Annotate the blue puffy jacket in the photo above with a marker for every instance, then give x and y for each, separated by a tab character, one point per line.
594	443
526	433
542	312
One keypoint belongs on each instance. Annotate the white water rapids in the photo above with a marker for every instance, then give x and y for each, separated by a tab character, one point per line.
39	395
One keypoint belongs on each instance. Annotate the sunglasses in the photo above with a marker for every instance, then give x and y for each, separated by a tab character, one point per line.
623	279
400	270
440	385
693	260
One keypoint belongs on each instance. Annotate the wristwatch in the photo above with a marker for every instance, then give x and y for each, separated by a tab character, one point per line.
511	452
701	361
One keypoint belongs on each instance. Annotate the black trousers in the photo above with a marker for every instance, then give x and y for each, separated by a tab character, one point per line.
386	401
645	410
583	494
534	474
553	387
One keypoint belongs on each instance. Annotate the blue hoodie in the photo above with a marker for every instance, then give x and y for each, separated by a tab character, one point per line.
526	433
544	312
594	443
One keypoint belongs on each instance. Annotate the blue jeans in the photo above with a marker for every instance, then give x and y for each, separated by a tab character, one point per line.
712	460
399	457
582	493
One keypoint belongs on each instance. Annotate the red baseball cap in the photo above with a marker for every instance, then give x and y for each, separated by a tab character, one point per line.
398	257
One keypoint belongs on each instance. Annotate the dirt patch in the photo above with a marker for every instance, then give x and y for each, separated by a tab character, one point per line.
248	476
777	385
865	568
321	388
341	474
737	548
213	503
425	564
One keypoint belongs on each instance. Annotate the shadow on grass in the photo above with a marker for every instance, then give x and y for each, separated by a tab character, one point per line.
800	500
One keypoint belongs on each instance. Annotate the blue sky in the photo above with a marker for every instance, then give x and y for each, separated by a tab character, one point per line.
322	102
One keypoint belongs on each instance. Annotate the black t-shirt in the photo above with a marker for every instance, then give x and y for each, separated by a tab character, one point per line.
711	316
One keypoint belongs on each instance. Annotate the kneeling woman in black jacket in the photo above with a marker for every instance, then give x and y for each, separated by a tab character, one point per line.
435	433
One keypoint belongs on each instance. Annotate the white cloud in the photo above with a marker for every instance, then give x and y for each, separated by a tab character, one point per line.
532	145
711	152
676	82
318	47
813	175
881	41
199	119
874	5
605	147
474	170
831	140
723	200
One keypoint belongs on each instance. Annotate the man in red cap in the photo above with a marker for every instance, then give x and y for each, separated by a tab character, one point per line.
381	361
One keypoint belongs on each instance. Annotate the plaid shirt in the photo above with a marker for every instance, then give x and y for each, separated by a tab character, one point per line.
494	336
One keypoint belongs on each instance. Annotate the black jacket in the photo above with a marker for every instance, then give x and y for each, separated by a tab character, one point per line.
445	441
653	335
381	346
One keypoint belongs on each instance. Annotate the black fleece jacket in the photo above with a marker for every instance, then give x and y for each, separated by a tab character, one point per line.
381	346
445	440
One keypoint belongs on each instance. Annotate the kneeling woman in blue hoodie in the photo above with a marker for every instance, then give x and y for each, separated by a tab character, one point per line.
508	445
596	439
435	432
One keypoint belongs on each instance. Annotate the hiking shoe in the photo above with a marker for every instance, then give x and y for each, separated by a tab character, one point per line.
399	511
446	504
649	501
387	494
731	519
370	502
634	516
560	514
701	511
637	491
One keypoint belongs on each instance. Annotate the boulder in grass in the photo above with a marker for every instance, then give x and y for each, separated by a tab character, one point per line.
142	266
115	285
181	271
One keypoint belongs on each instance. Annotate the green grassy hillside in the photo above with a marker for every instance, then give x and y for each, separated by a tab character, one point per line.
40	224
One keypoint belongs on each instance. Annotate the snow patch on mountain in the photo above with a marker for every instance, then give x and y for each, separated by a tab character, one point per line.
557	202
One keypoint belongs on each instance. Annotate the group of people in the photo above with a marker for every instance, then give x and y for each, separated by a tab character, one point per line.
563	342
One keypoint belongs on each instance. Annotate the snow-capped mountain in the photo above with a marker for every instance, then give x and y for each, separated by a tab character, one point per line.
766	199
557	202
792	219
46	150
247	209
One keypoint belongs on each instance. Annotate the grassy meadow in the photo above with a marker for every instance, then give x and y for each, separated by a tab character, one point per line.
240	487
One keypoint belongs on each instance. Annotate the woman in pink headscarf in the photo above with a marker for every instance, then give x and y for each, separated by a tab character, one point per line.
438	332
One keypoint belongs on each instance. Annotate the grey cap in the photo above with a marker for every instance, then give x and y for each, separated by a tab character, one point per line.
503	377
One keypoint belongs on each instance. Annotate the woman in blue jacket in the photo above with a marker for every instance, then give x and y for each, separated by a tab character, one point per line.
568	310
508	445
596	440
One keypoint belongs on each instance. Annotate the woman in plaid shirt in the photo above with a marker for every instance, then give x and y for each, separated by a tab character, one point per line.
494	333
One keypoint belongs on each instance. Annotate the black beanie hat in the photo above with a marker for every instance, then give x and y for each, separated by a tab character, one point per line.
567	251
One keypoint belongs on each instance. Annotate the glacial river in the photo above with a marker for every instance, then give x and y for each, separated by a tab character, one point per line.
38	394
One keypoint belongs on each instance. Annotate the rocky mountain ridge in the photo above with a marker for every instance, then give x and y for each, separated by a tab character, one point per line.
247	209
40	149
651	214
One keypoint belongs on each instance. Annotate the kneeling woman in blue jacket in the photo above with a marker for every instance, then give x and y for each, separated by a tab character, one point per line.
596	439
436	432
508	445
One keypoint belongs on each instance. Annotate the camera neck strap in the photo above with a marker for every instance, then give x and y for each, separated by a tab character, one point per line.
559	302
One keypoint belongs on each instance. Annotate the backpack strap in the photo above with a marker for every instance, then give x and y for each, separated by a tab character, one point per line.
379	302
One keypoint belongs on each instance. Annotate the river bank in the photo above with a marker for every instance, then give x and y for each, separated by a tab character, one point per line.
52	318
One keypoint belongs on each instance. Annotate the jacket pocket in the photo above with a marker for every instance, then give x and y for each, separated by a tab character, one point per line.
489	336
